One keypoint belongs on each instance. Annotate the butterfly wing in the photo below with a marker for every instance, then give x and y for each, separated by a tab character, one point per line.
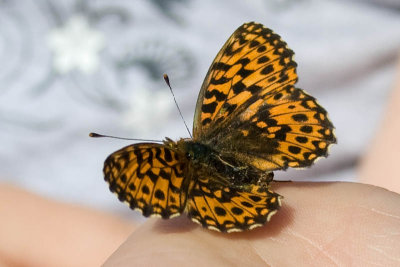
231	209
248	99
286	128
254	60
148	177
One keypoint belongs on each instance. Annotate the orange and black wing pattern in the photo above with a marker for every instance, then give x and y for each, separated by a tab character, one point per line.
231	209
148	177
286	128
248	102
252	62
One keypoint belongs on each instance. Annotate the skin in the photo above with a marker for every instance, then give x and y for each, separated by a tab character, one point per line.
319	224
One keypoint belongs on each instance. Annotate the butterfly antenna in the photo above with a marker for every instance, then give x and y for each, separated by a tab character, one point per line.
123	138
166	79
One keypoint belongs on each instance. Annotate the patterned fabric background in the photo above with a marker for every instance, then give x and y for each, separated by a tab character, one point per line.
72	67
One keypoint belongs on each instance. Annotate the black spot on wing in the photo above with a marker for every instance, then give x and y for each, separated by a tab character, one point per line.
132	187
255	198
237	211
167	155
254	43
263	59
254	89
153	177
267	70
163	174
278	96
145	189
306	129
238	87
159	194
221	80
220	211
294	149
300	117
261	49
301	139
221	66
209	108
219	96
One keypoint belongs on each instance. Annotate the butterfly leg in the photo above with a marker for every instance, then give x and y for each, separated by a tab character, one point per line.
265	178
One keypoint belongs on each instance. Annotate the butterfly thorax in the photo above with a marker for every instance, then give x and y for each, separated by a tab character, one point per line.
206	162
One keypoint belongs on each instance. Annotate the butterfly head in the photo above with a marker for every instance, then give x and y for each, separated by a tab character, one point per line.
193	151
196	151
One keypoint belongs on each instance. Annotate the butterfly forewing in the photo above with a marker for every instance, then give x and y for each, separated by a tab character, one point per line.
248	99
149	177
253	61
230	209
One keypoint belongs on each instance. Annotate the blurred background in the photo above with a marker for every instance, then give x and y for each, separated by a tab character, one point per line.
73	67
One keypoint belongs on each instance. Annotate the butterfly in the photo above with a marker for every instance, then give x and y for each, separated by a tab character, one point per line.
249	121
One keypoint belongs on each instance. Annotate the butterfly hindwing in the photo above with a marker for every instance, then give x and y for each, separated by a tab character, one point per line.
149	177
231	209
253	61
286	128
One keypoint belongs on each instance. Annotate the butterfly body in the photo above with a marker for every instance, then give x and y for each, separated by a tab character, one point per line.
249	121
203	160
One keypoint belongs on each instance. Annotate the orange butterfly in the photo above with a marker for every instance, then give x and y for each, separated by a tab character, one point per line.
249	121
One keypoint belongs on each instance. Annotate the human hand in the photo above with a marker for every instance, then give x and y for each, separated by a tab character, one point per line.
319	224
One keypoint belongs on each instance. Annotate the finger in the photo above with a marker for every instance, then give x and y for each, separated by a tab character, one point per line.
319	224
